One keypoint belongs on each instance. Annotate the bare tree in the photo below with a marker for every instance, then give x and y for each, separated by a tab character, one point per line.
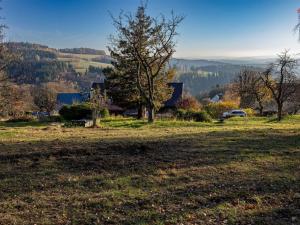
297	27
280	79
15	101
293	104
97	102
6	58
151	43
252	89
261	92
244	82
44	99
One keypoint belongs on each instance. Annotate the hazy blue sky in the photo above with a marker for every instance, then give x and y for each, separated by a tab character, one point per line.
212	28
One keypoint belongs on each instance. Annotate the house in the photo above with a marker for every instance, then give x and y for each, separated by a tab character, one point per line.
71	98
100	86
176	95
217	98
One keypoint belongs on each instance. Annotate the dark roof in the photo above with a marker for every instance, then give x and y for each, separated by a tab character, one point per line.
98	85
176	96
70	98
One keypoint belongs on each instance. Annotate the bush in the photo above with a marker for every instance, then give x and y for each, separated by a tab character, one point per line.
250	112
189	103
216	110
76	112
201	116
26	118
51	119
180	113
104	113
75	123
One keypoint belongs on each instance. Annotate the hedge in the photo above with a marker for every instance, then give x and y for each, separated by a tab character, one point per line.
76	112
201	116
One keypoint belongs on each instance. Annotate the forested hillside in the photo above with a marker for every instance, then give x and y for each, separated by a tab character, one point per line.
87	51
201	75
36	64
40	64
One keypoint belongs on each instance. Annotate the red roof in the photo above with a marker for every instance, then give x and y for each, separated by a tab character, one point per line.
298	10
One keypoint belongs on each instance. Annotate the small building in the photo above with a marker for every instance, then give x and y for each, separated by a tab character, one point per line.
98	85
72	98
176	95
217	98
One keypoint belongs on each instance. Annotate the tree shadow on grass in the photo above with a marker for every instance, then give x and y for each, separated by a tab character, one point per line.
23	124
128	124
177	175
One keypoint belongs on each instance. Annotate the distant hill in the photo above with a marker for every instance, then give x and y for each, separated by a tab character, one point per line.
87	51
200	75
40	63
183	64
82	62
36	63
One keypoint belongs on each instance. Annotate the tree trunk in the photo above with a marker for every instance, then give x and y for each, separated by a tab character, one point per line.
279	112
151	114
261	109
141	112
94	117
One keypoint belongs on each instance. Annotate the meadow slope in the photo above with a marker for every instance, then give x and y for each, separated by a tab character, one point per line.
245	171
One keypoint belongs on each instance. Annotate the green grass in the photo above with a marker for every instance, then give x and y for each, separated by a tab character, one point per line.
81	62
243	171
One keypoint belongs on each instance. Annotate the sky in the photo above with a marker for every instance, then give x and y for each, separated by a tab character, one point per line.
211	28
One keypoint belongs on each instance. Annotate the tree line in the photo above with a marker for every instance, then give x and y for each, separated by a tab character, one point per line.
278	83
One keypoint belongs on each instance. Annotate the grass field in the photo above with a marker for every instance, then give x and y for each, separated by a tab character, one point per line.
243	171
81	62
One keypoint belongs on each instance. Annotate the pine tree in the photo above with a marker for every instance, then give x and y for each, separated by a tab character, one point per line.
144	45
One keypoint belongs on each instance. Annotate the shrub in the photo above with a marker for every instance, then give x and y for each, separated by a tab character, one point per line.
76	112
104	113
74	123
189	103
26	118
180	113
215	110
250	112
52	119
202	116
189	115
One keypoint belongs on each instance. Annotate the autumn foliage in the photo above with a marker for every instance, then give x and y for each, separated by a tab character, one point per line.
189	103
216	109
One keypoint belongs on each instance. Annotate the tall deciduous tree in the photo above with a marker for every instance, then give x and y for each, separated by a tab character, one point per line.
280	79
7	93
150	42
244	81
44	99
251	89
15	101
6	57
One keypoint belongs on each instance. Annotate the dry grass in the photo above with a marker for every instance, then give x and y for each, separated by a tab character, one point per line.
81	62
172	172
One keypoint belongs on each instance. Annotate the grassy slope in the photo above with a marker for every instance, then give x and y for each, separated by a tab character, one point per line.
128	172
81	62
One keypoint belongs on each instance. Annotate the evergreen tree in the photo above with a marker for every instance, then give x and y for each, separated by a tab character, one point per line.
144	46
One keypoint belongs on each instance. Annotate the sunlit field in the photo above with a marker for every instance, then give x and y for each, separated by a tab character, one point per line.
242	171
